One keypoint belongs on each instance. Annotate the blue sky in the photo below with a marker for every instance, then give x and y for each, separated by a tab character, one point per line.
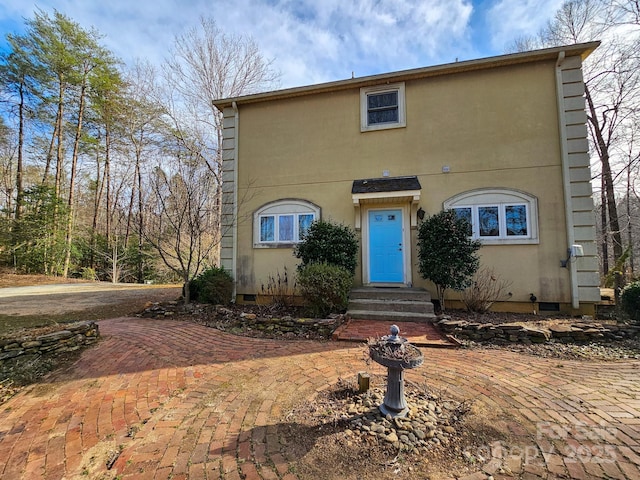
309	41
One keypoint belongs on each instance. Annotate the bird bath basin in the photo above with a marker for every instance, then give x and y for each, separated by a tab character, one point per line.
397	354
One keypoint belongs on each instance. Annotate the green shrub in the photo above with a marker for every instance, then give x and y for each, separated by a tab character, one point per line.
325	288
446	254
88	273
214	285
630	300
326	242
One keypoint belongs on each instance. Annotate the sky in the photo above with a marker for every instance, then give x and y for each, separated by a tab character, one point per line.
308	41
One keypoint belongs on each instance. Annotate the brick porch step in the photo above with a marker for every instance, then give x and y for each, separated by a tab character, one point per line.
420	334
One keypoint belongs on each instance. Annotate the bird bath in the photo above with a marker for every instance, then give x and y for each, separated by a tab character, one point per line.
397	354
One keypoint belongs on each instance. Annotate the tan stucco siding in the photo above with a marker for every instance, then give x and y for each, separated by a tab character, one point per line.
496	115
492	128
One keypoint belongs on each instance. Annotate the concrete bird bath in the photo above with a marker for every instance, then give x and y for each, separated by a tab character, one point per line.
397	354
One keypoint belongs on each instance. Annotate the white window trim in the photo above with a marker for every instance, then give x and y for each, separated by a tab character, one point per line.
500	197
364	117
295	207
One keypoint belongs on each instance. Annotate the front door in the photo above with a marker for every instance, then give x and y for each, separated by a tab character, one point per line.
386	258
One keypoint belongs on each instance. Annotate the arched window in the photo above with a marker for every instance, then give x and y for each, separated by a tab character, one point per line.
282	223
498	215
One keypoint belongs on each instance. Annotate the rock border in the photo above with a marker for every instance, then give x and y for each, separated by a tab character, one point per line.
68	338
508	333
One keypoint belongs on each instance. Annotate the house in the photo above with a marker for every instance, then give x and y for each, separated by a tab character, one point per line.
501	140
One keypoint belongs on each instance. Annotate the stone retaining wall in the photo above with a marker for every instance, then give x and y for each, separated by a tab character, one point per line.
73	337
513	333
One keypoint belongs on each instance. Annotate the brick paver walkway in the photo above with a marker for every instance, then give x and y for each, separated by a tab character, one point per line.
421	334
179	400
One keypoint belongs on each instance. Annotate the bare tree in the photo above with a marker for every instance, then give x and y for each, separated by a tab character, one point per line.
612	90
205	64
181	229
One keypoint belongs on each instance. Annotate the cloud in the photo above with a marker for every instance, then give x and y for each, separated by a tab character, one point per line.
309	41
508	20
333	38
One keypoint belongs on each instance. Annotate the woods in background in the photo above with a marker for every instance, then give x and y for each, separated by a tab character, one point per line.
111	171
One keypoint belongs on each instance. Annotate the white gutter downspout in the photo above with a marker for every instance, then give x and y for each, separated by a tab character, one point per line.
234	228
571	265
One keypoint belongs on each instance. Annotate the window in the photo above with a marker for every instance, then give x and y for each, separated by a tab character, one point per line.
382	107
496	221
497	215
283	223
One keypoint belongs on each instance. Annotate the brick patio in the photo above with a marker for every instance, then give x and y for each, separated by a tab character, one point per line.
174	397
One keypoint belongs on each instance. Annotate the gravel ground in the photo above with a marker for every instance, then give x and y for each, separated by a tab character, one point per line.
613	350
600	350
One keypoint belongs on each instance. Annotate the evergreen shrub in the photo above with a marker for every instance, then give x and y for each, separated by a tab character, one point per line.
325	288
630	300
214	285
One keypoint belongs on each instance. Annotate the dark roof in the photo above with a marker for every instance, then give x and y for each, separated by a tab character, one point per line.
385	184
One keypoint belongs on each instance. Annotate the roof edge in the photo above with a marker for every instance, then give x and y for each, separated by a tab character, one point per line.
582	49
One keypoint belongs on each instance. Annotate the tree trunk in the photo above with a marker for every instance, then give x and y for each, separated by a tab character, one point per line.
602	148
58	131
605	229
629	223
107	180
52	143
72	178
140	221
19	167
96	210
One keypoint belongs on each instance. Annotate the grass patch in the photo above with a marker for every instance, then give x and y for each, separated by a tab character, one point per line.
11	323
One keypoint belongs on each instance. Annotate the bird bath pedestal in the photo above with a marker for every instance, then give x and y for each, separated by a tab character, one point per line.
397	354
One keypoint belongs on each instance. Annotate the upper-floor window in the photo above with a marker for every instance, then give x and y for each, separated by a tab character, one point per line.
498	215
382	107
283	222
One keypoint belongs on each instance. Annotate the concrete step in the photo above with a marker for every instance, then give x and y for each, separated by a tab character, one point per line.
391	317
377	305
390	304
416	294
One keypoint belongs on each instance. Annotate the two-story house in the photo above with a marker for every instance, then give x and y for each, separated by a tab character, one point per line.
501	140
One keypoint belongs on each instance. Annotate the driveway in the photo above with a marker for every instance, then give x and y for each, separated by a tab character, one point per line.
58	299
180	400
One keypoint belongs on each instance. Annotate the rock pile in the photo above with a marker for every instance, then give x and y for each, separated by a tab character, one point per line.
156	309
284	326
240	320
429	422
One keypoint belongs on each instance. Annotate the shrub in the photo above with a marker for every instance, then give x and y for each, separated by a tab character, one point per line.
446	254
214	285
325	288
326	242
630	300
88	273
486	288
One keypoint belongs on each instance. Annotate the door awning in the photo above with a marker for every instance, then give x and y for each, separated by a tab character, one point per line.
386	189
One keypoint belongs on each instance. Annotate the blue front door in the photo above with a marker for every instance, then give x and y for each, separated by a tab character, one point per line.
386	260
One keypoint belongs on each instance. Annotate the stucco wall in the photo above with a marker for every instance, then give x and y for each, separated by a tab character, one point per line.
492	128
